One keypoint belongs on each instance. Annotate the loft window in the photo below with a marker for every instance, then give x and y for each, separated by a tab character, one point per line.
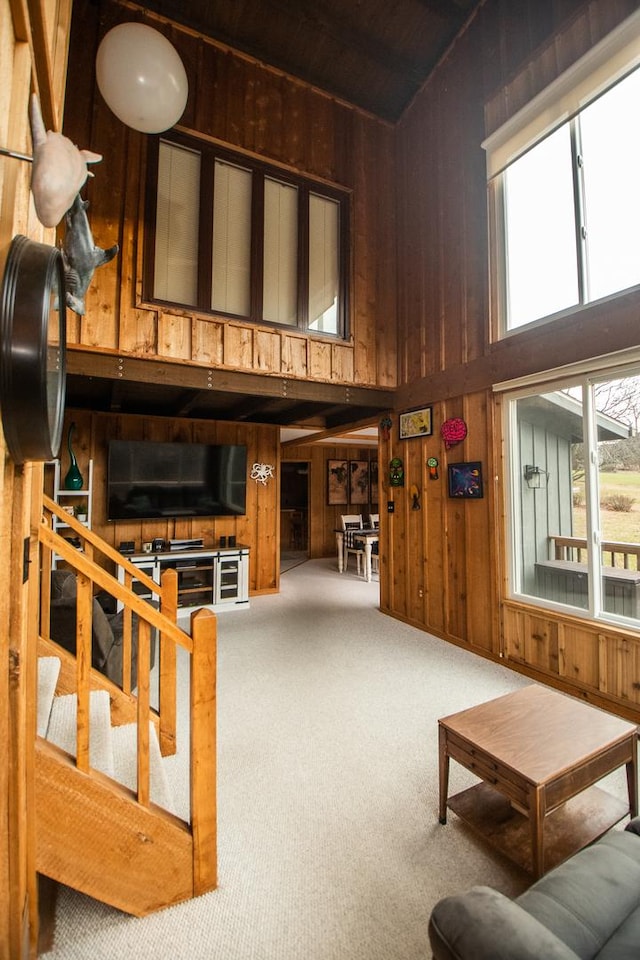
237	238
563	189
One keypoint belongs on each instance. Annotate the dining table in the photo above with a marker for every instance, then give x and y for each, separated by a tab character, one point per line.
367	536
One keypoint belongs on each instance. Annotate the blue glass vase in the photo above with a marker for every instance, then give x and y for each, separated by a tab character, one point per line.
73	479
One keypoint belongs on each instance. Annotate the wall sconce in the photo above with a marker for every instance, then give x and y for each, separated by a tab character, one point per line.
536	477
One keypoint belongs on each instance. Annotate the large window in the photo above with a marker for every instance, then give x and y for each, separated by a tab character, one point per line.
575	495
563	189
236	237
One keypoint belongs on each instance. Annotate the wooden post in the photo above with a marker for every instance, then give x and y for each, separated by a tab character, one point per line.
167	655
84	630
144	632
203	751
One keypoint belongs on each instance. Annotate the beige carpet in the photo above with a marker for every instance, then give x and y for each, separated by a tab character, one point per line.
330	846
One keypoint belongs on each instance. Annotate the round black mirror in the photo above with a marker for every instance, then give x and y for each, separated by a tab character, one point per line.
32	350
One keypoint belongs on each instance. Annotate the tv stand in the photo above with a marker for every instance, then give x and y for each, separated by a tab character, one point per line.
215	578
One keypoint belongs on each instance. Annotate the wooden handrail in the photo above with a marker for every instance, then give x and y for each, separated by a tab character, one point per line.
201	646
104	580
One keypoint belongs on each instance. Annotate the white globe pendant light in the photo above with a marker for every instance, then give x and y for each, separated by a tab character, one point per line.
141	77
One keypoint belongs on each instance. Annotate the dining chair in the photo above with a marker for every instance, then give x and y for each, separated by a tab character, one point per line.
350	524
374	523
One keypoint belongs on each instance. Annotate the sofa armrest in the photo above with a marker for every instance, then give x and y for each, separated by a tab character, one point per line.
634	826
483	924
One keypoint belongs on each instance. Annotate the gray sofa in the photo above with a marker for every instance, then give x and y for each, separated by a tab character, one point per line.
107	628
586	908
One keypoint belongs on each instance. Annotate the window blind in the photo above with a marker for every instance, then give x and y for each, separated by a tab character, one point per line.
231	267
176	251
280	285
606	63
323	264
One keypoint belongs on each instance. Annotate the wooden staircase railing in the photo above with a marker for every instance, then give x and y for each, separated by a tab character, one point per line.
201	646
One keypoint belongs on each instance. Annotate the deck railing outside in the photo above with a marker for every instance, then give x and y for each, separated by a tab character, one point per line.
624	556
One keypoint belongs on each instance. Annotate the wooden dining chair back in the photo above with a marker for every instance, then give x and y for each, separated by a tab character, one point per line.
374	523
350	524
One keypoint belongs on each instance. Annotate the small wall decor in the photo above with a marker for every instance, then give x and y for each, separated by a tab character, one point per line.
415	497
416	423
73	479
396	472
385	427
465	480
358	481
80	254
432	463
261	472
453	431
59	169
337	482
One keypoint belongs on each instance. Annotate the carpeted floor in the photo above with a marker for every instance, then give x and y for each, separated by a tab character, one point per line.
329	841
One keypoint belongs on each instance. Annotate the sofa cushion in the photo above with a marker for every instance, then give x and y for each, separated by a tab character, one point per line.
587	898
63	586
483	924
625	942
106	639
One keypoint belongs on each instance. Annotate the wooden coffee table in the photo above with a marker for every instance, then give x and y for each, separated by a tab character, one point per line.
534	750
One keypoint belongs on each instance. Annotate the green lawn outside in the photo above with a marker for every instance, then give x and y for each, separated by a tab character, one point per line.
621	527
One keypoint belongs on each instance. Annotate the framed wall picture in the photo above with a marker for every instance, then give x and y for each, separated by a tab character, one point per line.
416	423
373	480
465	480
337	482
358	481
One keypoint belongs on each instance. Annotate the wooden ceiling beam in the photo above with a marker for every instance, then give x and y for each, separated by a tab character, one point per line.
94	364
333	432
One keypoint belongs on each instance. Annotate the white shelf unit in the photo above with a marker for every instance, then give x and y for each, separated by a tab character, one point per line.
80	500
217	579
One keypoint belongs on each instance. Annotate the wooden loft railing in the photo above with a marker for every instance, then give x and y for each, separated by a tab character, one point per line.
625	556
201	646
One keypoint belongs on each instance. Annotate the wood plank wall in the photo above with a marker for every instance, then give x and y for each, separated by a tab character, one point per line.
240	103
324	518
443	566
259	529
33	44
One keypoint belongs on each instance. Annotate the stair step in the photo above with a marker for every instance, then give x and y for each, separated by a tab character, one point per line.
124	750
62	728
48	673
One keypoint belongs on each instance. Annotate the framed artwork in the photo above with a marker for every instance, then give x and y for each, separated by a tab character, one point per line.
465	480
337	482
358	481
416	423
373	480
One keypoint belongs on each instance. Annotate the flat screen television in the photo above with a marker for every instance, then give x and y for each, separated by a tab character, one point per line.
147	479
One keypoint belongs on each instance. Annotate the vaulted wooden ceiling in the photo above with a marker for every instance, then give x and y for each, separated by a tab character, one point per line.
373	53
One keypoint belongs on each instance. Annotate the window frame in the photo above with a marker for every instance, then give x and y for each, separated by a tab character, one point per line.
261	170
587	377
601	68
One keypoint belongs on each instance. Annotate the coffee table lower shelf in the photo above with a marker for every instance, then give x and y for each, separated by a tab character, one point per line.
573	825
